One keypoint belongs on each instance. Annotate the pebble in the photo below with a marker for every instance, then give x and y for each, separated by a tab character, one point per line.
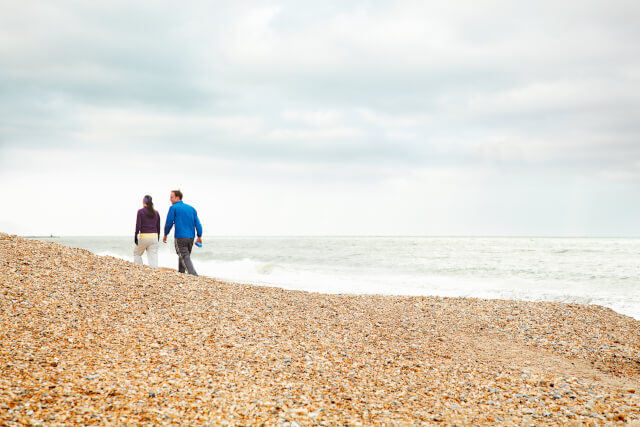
87	339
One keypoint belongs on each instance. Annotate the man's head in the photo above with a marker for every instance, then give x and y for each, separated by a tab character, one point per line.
176	196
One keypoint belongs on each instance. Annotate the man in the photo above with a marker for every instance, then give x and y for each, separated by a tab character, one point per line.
187	223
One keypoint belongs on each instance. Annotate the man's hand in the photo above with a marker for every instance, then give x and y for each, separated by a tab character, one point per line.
164	239
199	240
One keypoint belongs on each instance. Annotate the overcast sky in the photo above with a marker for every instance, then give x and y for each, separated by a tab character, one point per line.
314	118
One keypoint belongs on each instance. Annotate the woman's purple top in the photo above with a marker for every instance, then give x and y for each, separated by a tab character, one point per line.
144	224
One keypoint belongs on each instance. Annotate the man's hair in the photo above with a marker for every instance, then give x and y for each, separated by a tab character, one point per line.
177	193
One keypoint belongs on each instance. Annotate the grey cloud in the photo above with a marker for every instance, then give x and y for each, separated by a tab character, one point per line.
477	79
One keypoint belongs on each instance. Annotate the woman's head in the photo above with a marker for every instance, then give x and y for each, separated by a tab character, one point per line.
147	201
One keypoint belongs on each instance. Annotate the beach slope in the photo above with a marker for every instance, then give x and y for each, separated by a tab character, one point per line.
90	339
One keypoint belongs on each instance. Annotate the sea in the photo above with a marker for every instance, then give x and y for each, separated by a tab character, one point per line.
603	271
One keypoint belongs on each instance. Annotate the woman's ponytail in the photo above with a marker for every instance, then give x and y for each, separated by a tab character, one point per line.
151	213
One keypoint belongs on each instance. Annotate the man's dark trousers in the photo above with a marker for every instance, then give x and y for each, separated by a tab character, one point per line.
183	249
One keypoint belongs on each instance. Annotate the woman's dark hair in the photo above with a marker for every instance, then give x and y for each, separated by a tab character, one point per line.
149	201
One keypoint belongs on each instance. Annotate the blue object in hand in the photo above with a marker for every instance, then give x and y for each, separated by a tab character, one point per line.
198	244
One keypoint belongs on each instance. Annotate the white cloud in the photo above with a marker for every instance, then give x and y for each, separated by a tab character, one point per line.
363	117
631	175
315	118
321	136
114	123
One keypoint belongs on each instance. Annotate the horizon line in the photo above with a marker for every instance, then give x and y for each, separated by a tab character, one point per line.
522	236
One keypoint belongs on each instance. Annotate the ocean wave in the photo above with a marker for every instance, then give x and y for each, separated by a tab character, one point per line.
604	278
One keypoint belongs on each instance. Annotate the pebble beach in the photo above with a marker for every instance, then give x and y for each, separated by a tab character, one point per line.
86	339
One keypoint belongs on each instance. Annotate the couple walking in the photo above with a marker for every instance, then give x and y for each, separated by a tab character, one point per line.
147	235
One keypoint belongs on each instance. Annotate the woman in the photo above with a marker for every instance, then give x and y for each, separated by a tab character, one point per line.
148	225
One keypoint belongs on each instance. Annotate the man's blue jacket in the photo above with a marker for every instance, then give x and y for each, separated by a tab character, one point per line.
186	220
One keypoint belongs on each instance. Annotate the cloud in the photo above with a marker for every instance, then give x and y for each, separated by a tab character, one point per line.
365	91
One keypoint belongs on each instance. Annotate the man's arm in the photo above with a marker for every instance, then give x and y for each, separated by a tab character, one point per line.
171	216
198	227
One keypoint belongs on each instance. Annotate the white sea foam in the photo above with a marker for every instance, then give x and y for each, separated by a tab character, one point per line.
249	271
583	271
